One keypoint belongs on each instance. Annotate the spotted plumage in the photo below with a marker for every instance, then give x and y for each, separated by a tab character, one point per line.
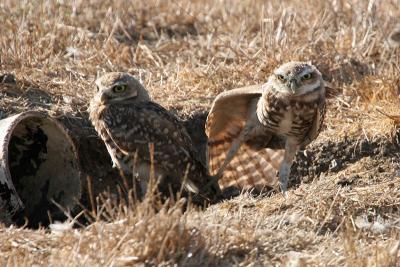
137	131
248	128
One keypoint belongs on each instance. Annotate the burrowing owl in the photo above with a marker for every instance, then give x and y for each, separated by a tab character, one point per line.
243	122
131	125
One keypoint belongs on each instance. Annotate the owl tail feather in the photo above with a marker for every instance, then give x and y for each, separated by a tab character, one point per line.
190	186
211	187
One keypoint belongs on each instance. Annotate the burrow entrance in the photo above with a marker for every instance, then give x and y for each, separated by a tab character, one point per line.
44	170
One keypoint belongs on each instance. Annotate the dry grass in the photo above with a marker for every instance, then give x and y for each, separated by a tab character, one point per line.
185	52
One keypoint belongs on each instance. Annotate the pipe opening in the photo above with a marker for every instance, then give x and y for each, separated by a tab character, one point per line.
43	168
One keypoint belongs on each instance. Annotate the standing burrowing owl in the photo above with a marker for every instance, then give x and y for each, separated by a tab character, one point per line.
130	124
243	122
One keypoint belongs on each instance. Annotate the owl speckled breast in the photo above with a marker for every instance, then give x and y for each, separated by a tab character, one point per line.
288	116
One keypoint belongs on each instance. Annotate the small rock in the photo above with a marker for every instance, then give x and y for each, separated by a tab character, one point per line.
334	165
7	78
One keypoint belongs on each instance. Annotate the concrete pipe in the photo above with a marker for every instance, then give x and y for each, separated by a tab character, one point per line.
38	167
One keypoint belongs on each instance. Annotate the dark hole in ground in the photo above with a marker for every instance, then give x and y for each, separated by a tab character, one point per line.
94	160
195	125
43	169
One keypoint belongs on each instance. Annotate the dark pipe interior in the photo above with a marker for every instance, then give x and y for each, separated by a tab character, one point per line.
44	169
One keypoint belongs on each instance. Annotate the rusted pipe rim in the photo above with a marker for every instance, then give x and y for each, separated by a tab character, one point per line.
38	165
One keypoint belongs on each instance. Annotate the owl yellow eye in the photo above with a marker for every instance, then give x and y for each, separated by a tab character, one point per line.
280	77
306	76
119	88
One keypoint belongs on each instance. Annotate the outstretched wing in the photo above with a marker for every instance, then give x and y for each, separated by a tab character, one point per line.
250	167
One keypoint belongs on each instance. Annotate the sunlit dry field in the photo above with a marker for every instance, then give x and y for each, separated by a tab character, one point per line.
344	204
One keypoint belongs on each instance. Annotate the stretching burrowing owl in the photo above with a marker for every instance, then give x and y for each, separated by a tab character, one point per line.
286	112
135	129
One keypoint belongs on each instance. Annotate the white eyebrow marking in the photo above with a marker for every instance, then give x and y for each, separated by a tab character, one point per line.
120	83
306	71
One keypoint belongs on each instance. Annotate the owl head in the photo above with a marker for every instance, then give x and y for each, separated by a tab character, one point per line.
296	78
118	86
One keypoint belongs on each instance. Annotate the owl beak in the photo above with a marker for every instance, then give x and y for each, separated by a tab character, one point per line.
292	84
103	99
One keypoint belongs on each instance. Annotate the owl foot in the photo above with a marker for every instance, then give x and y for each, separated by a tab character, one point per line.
284	173
212	186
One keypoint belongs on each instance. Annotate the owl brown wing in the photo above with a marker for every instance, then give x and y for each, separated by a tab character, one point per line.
226	120
229	111
317	122
131	126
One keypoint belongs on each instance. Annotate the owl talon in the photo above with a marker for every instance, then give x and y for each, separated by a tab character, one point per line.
284	174
285	195
283	187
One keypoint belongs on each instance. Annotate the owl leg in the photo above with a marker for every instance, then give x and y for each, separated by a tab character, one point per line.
231	153
213	183
284	170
